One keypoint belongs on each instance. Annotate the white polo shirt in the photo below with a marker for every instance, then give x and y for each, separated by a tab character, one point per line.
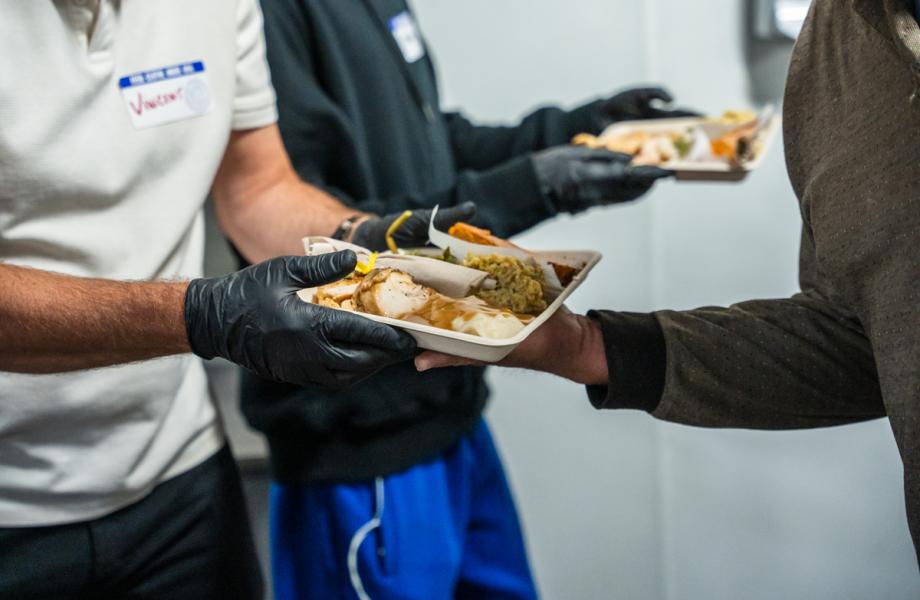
114	116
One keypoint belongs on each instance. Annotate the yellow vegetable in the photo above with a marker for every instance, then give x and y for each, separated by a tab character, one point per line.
364	269
391	243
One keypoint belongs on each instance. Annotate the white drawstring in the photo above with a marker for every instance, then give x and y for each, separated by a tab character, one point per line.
359	538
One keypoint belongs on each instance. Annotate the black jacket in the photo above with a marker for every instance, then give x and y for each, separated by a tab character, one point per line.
362	123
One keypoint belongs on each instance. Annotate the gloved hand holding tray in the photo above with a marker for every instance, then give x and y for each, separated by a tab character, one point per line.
471	300
726	148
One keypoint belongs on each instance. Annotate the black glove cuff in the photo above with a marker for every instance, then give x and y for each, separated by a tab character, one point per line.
509	198
553	179
372	234
588	118
196	318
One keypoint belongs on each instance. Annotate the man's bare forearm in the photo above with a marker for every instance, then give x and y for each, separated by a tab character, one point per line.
51	323
275	221
261	203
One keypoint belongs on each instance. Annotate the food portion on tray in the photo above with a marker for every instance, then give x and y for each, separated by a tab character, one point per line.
565	273
734	142
470	283
397	295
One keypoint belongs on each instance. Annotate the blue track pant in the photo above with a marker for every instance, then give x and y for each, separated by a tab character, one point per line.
448	529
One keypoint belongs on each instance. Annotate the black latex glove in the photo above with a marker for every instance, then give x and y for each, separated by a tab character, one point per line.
637	104
414	232
254	318
575	178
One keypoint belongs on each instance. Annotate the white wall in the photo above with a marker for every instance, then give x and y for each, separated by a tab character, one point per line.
616	505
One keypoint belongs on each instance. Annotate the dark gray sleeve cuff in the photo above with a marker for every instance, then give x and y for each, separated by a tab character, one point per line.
636	360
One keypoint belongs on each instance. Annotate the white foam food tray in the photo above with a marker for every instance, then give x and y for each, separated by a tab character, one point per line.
483	349
685	170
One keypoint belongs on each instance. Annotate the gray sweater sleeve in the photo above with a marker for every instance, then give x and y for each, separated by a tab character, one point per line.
792	363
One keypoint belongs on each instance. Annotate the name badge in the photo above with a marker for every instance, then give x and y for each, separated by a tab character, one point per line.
166	95
405	31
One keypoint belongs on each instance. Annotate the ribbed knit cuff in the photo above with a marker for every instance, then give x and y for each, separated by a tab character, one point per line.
508	198
636	360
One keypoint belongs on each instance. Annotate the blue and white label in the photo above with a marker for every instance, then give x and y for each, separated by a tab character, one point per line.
407	37
166	95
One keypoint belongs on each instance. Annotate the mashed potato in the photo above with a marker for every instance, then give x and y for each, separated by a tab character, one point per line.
493	327
519	286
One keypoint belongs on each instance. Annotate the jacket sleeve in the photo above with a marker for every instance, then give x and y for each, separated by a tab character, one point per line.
481	147
793	363
495	168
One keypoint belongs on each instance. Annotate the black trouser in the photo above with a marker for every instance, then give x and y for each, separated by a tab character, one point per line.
190	538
